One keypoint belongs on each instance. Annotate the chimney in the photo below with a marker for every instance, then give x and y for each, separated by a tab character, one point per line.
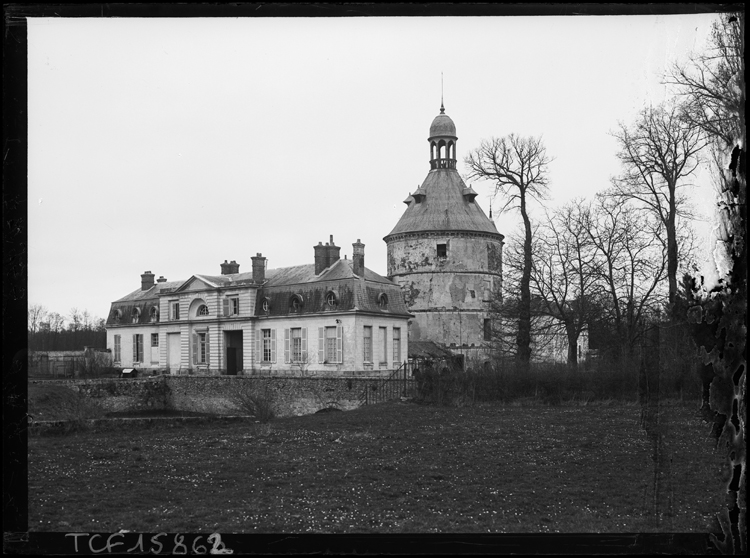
230	268
358	258
147	280
161	279
333	253
321	257
259	269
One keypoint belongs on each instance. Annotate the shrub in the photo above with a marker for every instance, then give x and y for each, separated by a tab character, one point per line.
253	402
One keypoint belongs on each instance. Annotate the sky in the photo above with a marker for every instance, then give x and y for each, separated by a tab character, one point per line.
172	145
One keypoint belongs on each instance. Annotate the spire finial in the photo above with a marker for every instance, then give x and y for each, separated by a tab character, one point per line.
442	108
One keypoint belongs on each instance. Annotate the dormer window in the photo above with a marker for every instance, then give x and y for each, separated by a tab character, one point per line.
136	315
154	314
266	305
118	316
202	310
382	300
295	303
331	300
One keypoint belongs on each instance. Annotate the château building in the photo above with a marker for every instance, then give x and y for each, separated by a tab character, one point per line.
331	317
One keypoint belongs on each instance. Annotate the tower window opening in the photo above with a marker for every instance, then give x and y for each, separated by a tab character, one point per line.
442	250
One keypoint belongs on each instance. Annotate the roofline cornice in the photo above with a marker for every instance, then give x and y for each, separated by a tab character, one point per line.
451	271
443	232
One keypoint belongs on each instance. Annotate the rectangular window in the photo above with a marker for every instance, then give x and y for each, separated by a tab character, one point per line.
396	346
266	345
154	339
487	329
117	349
296	344
442	250
383	356
202	352
330	344
232	306
137	347
368	344
174	310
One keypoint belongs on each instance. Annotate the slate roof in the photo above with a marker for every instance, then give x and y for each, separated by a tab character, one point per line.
444	207
341	269
280	285
152	293
351	291
428	349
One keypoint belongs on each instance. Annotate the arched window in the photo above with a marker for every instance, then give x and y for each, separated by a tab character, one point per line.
266	305
154	314
382	300
136	315
202	310
118	316
295	304
331	299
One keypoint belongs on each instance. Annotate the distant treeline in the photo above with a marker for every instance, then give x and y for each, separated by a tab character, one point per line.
50	331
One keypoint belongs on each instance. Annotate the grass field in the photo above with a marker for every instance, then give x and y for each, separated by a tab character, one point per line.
389	468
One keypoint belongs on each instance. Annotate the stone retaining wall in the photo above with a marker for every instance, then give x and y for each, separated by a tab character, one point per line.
216	394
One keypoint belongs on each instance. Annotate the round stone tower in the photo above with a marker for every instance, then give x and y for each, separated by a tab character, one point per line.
446	254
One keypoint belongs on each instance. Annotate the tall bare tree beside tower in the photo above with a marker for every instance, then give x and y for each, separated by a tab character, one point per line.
517	167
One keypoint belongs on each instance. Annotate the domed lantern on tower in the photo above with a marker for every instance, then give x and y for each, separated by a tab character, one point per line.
442	142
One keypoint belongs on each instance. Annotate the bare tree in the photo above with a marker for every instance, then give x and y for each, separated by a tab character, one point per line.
56	322
76	319
564	272
658	152
517	166
632	252
37	314
505	306
712	81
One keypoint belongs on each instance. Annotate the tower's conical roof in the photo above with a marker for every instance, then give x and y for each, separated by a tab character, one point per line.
443	202
448	205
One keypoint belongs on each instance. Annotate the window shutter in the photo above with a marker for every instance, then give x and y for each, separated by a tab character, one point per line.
258	346
321	344
305	356
286	345
195	348
273	345
208	349
340	344
226	306
396	347
135	348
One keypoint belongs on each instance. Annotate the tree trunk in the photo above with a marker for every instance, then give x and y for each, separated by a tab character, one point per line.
524	314
572	335
672	247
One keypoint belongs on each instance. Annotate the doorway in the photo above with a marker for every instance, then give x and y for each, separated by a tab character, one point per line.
233	344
